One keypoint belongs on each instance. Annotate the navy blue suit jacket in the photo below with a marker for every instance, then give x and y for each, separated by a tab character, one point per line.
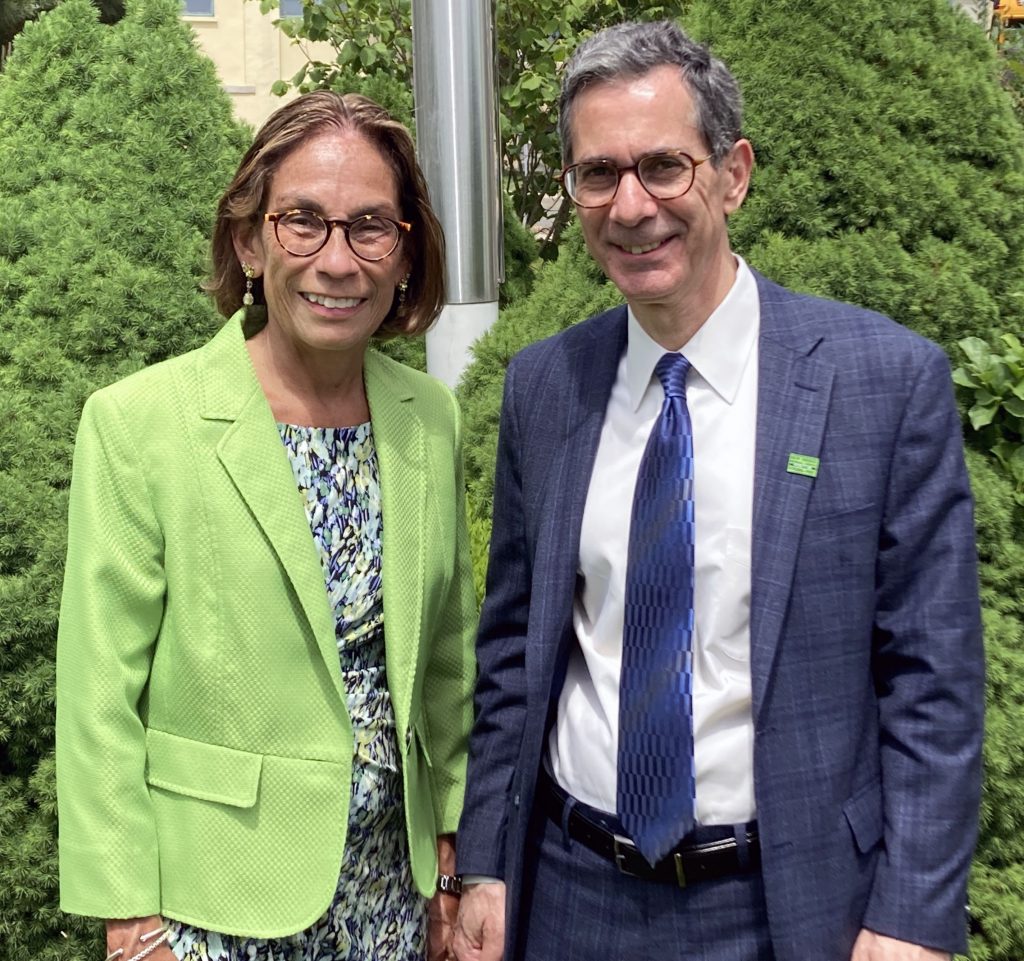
866	655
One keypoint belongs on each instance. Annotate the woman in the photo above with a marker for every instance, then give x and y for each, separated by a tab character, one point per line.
226	788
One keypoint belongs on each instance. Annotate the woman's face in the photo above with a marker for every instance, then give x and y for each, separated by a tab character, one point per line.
332	300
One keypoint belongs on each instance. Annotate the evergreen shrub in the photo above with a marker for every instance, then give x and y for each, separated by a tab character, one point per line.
115	143
997	882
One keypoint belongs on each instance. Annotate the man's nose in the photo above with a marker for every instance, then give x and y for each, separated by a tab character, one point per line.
632	202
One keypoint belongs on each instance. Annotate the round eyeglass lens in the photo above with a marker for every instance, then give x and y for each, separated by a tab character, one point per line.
301	232
592	184
373	237
665	175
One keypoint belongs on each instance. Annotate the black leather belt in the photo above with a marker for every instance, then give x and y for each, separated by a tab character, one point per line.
686	864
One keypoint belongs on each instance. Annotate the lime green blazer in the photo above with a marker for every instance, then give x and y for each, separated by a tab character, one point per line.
204	751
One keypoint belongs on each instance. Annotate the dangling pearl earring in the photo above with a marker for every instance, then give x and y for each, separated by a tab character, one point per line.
249	272
403	289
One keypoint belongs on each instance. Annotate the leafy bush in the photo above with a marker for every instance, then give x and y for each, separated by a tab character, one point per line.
883	139
115	143
992	384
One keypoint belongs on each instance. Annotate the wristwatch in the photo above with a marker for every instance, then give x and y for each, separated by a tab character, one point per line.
450	884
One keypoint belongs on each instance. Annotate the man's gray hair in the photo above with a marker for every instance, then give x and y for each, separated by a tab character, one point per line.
631	50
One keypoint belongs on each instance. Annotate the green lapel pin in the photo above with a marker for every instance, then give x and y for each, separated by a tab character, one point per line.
803	464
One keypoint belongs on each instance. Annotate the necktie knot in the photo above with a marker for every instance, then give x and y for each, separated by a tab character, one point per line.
672	370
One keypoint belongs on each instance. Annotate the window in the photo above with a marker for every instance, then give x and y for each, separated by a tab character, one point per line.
198	8
293	8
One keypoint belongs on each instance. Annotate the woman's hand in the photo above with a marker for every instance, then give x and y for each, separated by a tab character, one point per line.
128	934
443	908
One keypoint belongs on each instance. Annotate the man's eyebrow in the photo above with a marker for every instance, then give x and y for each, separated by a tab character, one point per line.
652	152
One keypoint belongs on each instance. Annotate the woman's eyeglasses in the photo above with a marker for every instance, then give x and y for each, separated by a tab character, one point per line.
304	233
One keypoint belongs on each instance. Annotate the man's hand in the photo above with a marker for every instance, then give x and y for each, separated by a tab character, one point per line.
443	908
441	913
877	947
126	934
480	928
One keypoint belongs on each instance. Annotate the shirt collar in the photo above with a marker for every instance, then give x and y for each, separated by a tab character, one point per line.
718	351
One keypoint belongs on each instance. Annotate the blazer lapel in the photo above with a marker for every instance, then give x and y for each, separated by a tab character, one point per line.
255	459
592	369
794	391
400	439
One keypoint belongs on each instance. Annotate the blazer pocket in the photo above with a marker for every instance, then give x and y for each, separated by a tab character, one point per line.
864	815
210	772
860	516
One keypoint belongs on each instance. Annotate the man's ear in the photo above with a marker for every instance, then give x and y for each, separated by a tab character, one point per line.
736	168
248	247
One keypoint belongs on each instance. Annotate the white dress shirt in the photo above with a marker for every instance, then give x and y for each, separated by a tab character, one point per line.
721	395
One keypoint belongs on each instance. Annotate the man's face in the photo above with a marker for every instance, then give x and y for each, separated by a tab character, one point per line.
668	257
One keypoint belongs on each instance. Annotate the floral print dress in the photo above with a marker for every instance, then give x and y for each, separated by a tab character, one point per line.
376	912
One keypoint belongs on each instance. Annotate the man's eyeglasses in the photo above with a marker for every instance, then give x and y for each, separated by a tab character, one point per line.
304	233
664	176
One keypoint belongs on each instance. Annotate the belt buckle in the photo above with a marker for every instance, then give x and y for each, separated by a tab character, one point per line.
621	846
677	859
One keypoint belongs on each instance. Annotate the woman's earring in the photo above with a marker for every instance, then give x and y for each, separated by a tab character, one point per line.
249	272
403	289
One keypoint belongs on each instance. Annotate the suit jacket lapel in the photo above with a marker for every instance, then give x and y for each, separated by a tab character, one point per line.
400	439
590	376
254	457
794	391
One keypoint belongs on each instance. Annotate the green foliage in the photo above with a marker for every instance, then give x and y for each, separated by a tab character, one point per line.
479	542
909	142
520	257
374	37
114	146
14	14
992	384
1012	60
997	902
565	291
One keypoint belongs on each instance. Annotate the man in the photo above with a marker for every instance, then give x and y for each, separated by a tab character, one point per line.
731	681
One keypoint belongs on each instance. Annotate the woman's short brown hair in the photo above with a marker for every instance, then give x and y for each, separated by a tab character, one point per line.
310	115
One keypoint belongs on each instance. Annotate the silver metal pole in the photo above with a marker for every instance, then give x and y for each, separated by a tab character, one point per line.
457	142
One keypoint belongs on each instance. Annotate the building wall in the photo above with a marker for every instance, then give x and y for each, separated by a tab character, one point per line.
251	54
978	10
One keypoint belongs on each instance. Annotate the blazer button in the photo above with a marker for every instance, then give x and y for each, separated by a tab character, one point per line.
408	739
515	800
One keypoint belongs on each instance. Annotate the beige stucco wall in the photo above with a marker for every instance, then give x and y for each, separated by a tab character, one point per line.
250	54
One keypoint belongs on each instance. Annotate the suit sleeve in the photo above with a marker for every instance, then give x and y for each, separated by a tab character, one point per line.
500	699
110	616
929	675
448	683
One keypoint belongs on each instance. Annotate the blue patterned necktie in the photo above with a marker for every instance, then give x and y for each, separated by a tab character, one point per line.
656	786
